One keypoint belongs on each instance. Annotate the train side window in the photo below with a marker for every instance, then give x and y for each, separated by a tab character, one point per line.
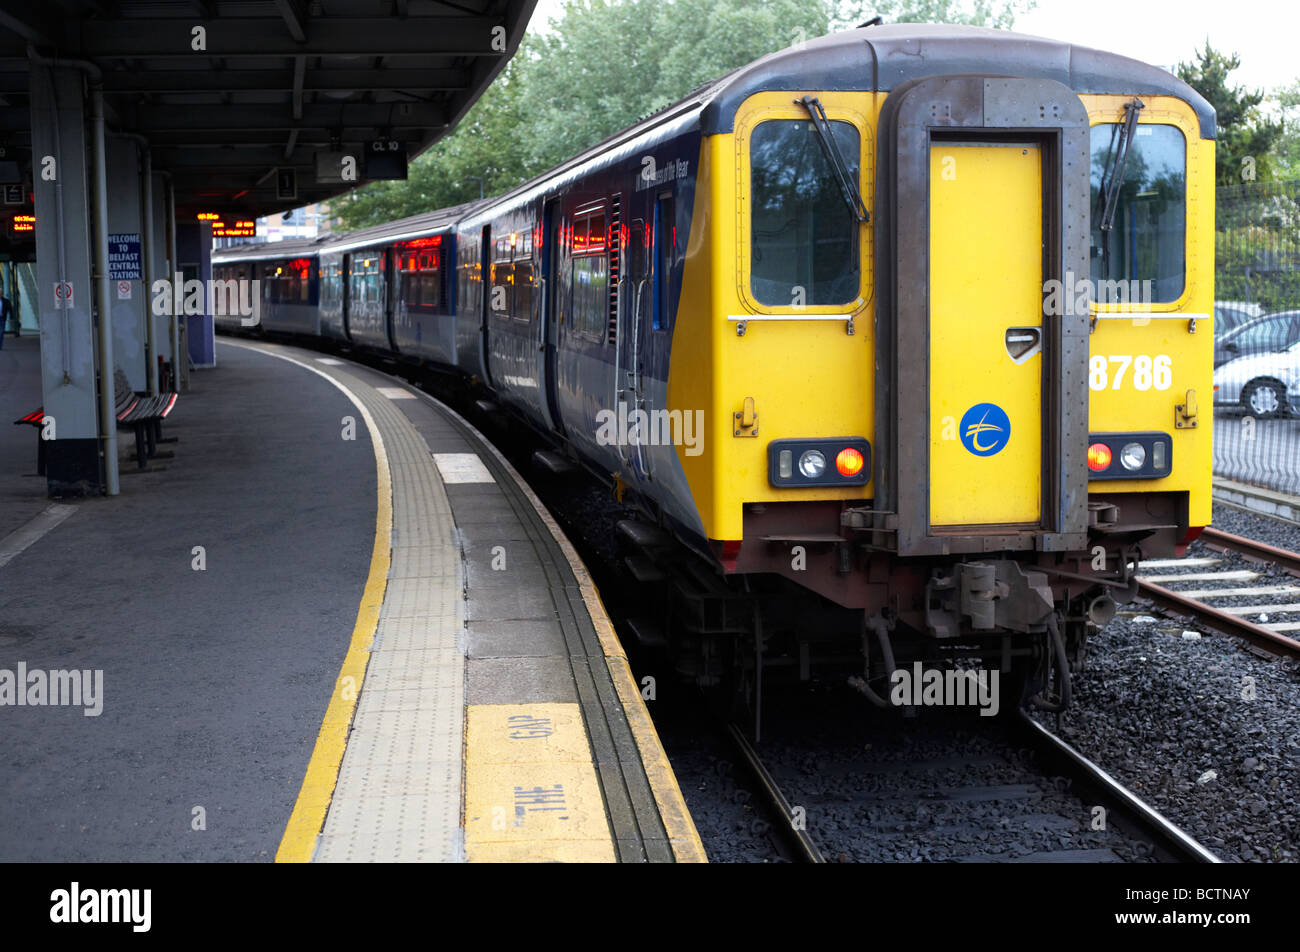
636	274
523	289
1147	238
429	296
596	233
636	253
329	279
804	240
590	294
590	271
665	241
420	276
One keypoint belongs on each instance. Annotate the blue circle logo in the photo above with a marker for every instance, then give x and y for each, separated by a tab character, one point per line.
985	429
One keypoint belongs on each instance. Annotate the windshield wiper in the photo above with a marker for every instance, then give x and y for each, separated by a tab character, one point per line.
848	184
1115	177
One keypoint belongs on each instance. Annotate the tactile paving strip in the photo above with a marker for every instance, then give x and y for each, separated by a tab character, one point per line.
398	796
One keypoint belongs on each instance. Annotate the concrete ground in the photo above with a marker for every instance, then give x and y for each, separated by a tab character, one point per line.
215	681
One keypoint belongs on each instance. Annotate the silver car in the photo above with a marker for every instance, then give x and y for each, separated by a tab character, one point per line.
1265	384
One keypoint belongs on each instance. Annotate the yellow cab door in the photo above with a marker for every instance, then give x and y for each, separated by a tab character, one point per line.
986	306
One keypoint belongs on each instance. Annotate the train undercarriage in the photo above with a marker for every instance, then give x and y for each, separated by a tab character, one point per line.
798	606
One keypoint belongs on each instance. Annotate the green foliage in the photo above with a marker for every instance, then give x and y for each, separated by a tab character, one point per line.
1256	257
612	63
1240	275
1245	136
604	65
1286	151
1257	244
1000	14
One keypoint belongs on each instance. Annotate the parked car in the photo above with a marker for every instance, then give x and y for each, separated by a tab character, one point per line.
1265	384
1230	314
1262	335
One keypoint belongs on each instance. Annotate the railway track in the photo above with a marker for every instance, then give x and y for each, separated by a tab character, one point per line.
1224	599
1020	780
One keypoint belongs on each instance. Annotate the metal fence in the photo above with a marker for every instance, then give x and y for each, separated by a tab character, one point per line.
1257	335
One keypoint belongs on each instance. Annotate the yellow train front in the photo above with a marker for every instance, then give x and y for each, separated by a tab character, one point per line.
946	303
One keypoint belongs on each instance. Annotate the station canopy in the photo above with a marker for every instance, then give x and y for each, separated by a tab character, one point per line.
255	107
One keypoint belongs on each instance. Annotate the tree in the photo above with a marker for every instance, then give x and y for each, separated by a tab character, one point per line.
612	63
1245	136
604	65
1286	150
1000	14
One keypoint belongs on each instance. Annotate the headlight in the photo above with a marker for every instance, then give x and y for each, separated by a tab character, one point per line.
812	464
1133	456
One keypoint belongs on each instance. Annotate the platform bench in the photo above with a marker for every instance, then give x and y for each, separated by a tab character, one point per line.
140	412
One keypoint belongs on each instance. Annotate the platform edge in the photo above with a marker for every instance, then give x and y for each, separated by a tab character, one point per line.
683	837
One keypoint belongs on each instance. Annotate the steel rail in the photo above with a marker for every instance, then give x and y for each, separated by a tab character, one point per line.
1259	551
1150	821
805	848
1271	641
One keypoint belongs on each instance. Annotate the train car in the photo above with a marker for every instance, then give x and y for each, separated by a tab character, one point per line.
392	287
287	276
903	332
232	313
576	280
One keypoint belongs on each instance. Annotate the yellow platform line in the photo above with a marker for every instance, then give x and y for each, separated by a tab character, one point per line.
308	816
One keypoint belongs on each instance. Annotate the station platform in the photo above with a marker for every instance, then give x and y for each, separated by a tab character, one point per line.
22	493
390	652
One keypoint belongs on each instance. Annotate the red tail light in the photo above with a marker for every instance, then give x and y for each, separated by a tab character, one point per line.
1099	457
849	462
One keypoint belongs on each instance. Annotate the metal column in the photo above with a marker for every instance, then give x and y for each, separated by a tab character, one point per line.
77	462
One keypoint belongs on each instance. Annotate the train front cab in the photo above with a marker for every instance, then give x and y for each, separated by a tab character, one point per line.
976	391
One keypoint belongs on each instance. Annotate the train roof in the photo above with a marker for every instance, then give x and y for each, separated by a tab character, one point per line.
412	227
883	57
268	250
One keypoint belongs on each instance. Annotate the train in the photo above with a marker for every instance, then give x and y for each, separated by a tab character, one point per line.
897	340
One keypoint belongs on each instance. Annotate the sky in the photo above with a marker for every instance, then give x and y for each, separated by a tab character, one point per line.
1166	32
1162	32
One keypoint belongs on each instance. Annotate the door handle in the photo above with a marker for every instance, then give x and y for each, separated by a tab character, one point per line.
1022	343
